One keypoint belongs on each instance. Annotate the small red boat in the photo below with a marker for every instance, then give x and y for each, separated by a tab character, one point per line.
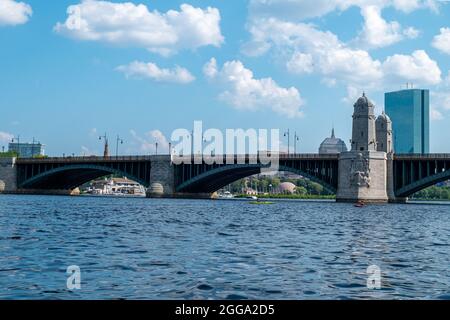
360	204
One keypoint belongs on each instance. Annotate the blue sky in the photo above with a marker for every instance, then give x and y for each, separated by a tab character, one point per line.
144	68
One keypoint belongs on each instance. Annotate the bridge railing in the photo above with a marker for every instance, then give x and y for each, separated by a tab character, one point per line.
417	156
280	156
84	159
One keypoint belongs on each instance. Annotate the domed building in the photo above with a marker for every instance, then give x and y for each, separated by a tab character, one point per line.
332	145
287	187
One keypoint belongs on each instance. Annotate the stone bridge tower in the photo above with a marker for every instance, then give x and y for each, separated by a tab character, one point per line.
363	170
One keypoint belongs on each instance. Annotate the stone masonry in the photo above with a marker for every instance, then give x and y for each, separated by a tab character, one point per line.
8	175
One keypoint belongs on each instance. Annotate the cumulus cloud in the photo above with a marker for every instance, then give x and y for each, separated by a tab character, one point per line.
244	92
376	31
418	67
6	137
128	24
411	32
142	70
440	99
298	10
442	40
301	63
309	50
14	13
147	142
353	94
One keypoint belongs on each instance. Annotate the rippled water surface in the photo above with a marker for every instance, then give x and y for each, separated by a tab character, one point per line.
197	249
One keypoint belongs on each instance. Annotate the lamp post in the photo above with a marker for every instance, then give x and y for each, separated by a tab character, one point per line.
156	144
288	134
296	139
106	150
119	140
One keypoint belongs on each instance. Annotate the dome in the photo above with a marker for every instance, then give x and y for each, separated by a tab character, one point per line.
363	101
287	187
332	145
384	117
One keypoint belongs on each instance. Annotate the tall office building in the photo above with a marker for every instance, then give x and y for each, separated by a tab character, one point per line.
409	111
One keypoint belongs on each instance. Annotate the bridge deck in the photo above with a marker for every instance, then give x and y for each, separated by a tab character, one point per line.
416	156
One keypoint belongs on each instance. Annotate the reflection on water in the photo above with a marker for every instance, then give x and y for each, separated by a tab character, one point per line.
189	249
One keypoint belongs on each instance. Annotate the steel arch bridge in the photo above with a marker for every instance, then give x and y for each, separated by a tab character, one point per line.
70	173
415	172
411	172
208	178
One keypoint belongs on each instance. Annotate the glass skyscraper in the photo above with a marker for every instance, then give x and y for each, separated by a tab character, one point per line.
409	111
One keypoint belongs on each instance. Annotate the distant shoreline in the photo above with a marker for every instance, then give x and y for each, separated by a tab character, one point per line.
290	196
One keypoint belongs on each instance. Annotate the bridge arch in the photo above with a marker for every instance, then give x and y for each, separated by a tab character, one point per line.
421	184
218	178
69	177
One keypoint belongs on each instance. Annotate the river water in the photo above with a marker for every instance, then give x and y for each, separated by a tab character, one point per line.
134	248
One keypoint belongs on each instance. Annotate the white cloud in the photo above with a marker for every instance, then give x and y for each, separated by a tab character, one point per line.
297	10
323	53
142	70
411	32
210	68
14	13
128	24
440	99
442	40
147	143
418	67
244	92
85	151
294	10
6	137
352	95
377	32
300	63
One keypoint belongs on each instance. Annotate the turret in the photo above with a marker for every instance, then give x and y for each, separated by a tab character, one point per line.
384	133
364	135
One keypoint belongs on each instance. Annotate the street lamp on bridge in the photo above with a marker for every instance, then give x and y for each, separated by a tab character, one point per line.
296	139
288	135
119	140
106	150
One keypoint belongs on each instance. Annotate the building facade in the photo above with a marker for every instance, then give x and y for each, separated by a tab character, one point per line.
410	113
27	150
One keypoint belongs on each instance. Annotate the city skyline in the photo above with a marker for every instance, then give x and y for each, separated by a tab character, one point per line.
234	70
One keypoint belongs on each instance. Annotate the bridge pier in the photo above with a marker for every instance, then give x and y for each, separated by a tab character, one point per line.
8	175
162	178
363	177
